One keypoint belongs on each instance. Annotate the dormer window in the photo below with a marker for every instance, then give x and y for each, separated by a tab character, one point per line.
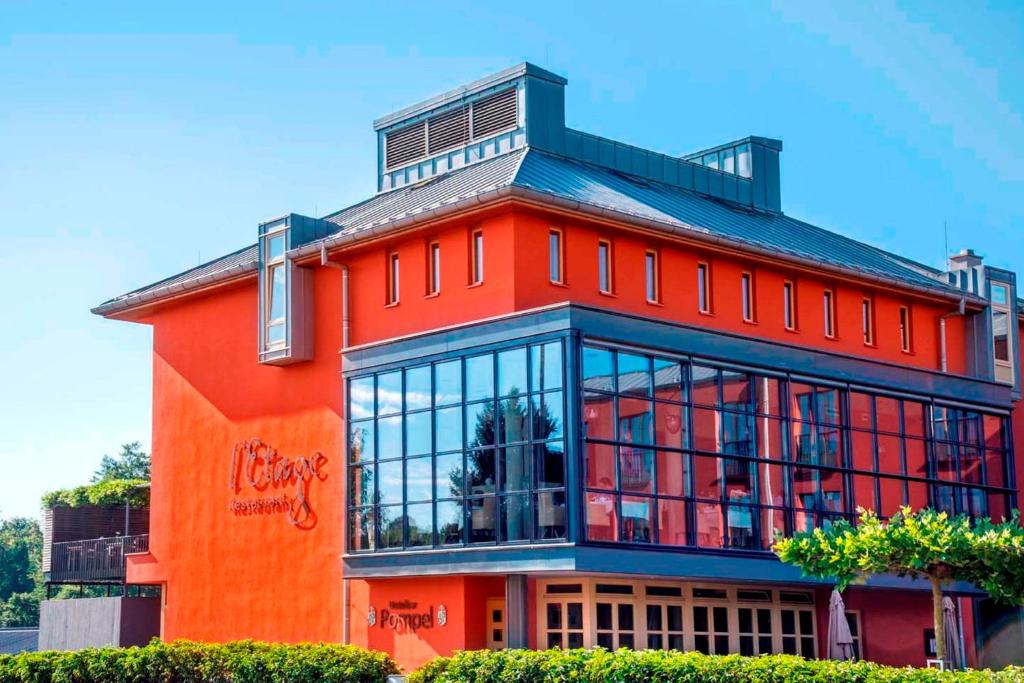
285	334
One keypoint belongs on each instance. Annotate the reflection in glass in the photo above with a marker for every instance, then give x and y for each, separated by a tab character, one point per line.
417	433
361	397
480	425
515	518
449	522
512	372
417	388
515	468
389	482
361	441
480	377
448	429
448	383
389	437
480	472
420	520
389	393
419	479
598	369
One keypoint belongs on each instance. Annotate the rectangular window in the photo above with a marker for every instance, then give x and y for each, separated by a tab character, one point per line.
651	262
555	257
867	321
788	310
478	257
905	340
703	286
276	289
830	313
392	279
434	268
1001	339
747	296
604	266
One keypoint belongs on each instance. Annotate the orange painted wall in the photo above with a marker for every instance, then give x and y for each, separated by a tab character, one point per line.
678	285
464	599
229	576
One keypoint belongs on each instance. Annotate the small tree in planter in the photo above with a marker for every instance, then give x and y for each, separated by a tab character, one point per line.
924	544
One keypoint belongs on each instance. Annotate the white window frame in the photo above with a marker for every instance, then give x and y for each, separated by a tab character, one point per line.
433	268
556	256
703	287
829	303
1004	369
270	266
789	305
394	279
747	295
605	279
476	246
867	312
652	275
906	335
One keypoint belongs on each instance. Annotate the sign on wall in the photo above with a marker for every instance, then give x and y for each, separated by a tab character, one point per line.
406	616
281	483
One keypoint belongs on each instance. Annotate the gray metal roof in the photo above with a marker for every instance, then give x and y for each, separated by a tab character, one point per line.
546	177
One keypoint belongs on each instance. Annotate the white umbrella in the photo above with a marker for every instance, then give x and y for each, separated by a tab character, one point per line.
840	641
951	627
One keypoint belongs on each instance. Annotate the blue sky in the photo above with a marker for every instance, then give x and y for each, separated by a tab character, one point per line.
137	139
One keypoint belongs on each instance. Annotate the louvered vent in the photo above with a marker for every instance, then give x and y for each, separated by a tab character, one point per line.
494	113
406	144
448	130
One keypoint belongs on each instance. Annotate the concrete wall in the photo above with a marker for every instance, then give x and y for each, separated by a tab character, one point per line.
96	622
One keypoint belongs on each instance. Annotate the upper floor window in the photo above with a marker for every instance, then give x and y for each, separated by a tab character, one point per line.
604	266
652	275
477	257
905	340
276	306
830	313
555	259
747	296
434	268
703	288
1001	338
867	321
285	328
788	306
393	278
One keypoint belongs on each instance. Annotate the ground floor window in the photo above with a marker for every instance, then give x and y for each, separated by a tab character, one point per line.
714	619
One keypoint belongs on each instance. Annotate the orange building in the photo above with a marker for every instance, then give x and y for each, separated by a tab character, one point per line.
548	389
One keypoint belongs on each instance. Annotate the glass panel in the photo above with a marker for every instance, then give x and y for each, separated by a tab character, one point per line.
361	441
448	383
392	526
598	416
770	440
479	377
277	293
672	473
483	519
549	465
360	394
515	468
512	372
862	409
417	433
887	411
705	385
420	520
480	471
448	429
634	374
275	248
389	482
709	525
635	424
637	519
707	477
361	529
705	429
636	470
389	437
597	369
417	388
515	518
550	514
449	522
668	380
449	476
513	414
361	485
480	425
546	366
670	425
671	522
389	393
601	524
419	479
600	466
549	420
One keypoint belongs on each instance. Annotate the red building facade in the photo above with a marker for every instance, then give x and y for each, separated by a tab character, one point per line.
547	389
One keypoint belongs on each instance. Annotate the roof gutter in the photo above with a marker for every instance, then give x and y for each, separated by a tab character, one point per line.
545	199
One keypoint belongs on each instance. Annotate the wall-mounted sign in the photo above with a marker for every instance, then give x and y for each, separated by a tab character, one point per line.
406	616
258	467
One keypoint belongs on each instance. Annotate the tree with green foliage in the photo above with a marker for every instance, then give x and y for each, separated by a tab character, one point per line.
131	463
926	544
21	577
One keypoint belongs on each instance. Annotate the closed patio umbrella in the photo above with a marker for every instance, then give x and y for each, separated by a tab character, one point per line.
951	626
840	641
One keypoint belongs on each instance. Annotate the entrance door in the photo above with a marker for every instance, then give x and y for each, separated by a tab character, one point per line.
496	624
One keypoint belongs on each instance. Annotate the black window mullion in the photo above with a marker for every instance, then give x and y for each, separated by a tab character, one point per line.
903	452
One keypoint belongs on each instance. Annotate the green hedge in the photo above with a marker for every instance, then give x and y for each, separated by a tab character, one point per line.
655	666
109	492
187	662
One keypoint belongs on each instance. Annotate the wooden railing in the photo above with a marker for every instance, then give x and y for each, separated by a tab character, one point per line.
95	559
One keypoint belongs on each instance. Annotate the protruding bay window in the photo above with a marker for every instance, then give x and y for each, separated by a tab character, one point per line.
286	298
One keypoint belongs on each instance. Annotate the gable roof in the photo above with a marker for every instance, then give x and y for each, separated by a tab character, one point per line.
547	178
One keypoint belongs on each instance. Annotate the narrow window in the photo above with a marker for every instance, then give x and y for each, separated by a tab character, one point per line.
703	298
867	322
276	291
747	294
651	261
555	257
789	319
434	268
830	323
604	266
393	279
478	257
905	329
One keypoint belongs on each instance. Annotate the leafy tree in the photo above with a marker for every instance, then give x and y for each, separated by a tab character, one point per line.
925	544
130	463
21	577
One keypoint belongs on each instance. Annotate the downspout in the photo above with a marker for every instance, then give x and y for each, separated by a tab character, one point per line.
346	606
961	309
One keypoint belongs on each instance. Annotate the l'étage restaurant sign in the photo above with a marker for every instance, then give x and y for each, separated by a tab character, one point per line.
281	484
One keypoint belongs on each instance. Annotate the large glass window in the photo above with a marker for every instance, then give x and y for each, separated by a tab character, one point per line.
686	452
463	451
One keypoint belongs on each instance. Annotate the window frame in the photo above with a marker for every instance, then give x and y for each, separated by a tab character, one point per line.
747	303
867	312
476	257
704	287
605	266
433	268
789	305
906	333
556	240
394	279
652	275
829	307
270	266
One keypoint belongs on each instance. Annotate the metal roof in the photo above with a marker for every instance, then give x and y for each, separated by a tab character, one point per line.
544	177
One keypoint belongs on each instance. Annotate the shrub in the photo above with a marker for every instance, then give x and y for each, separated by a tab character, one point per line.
655	666
188	662
109	492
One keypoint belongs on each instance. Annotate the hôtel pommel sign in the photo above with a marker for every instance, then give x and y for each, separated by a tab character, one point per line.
284	482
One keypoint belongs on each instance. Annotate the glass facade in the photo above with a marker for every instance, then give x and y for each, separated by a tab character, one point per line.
467	450
681	452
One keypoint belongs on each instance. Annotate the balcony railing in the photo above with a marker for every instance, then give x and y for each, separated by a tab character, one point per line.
95	559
